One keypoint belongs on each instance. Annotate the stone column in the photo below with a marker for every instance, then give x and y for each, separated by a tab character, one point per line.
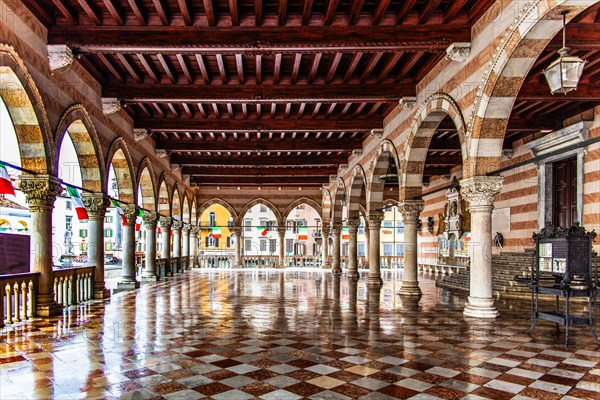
325	250
480	192
165	229
150	220
281	233
410	210
375	219
367	236
337	231
128	270
352	249
96	206
186	243
194	246
176	227
41	191
238	247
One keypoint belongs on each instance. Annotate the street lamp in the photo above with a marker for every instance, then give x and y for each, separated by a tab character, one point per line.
564	73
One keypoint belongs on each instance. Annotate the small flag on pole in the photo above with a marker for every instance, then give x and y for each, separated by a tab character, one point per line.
263	230
345	234
6	186
139	220
386	231
302	233
78	203
216	232
120	212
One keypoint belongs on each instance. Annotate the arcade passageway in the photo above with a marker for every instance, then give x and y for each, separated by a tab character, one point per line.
293	334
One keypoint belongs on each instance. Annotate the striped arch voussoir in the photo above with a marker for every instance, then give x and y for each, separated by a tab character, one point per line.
164	200
260	200
302	200
120	158
358	186
204	206
147	184
379	166
326	206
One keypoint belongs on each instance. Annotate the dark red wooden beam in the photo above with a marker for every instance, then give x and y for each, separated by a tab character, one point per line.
257	170
274	146
294	180
540	92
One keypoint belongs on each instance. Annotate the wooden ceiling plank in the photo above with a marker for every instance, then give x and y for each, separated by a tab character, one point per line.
370	66
259	111
404	10
114	13
296	67
478	9
185	69
90	11
258	59
173	110
43	13
346	108
288	181
210	13
374	109
353	63
149	69
137	11
215	108
306	12
288	109
279	145
91	67
316	109
158	109
330	109
277	68
202	110
187	110
430	7
301	110
245	110
145	110
166	68
203	71
385	71
233	10
258	12
331	8
382	5
110	66
185	12
239	63
359	109
65	10
161	12
254	168
134	74
314	67
273	110
230	110
453	9
221	65
333	67
282	12
355	11
408	65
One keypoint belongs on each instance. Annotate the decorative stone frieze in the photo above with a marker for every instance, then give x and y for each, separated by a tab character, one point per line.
481	190
150	219
377	133
130	212
411	209
95	205
407	103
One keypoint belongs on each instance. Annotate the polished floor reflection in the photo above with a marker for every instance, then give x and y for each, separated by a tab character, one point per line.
290	335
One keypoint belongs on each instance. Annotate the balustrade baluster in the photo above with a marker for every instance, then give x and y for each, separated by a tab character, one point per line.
17	305
31	289
8	289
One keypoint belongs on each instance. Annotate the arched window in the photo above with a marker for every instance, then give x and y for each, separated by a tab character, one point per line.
212	218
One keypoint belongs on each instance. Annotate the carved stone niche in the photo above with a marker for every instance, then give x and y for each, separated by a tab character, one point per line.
456	216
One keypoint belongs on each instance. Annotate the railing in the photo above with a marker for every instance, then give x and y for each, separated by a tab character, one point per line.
73	285
17	297
216	261
391	261
260	261
303	261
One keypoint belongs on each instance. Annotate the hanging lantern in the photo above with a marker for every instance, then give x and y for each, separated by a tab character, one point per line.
564	73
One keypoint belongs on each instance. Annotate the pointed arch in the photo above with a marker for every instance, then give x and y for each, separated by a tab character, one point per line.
357	192
164	202
119	157
147	185
194	210
77	123
176	203
517	52
215	200
185	208
326	208
385	152
260	200
339	200
302	200
26	108
427	119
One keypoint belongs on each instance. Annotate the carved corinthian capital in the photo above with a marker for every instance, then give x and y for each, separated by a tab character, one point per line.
410	209
194	231
150	219
353	224
375	218
481	190
40	191
95	205
176	225
130	212
165	222
59	56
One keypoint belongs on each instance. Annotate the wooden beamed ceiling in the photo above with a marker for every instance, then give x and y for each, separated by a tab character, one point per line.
280	93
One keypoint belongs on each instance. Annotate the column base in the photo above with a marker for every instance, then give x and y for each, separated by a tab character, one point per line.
410	289
326	266
336	270
150	278
128	285
374	281
353	275
46	306
478	307
280	266
101	293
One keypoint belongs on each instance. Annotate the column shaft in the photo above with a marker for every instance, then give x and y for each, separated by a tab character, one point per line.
281	232
238	247
325	255
194	247
165	229
186	243
374	279
150	220
96	206
410	210
128	271
353	249
336	265
177	225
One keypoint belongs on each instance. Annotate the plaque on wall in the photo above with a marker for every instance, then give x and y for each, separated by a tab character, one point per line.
501	220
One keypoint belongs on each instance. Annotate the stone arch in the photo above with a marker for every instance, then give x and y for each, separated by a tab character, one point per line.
326	208
176	203
357	191
185	208
380	164
24	104
252	203
194	210
424	125
164	203
302	200
77	123
119	157
339	198
147	185
204	206
521	45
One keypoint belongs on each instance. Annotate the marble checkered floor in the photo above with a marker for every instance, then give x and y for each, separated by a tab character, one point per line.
290	335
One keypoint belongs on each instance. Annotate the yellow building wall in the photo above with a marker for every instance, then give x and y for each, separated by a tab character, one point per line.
222	220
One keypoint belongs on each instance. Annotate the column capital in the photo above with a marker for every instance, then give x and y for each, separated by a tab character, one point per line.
165	222
326	228
150	219
194	230
186	228
95	204
336	228
130	212
281	230
40	191
375	218
411	209
481	190
353	224
176	225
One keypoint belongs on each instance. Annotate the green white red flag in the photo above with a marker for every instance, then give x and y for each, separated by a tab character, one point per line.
6	186
263	230
302	233
139	220
120	212
216	232
77	203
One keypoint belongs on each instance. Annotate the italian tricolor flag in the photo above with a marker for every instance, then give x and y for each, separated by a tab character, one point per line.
120	212
139	220
345	234
6	186
263	230
76	199
216	232
302	233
